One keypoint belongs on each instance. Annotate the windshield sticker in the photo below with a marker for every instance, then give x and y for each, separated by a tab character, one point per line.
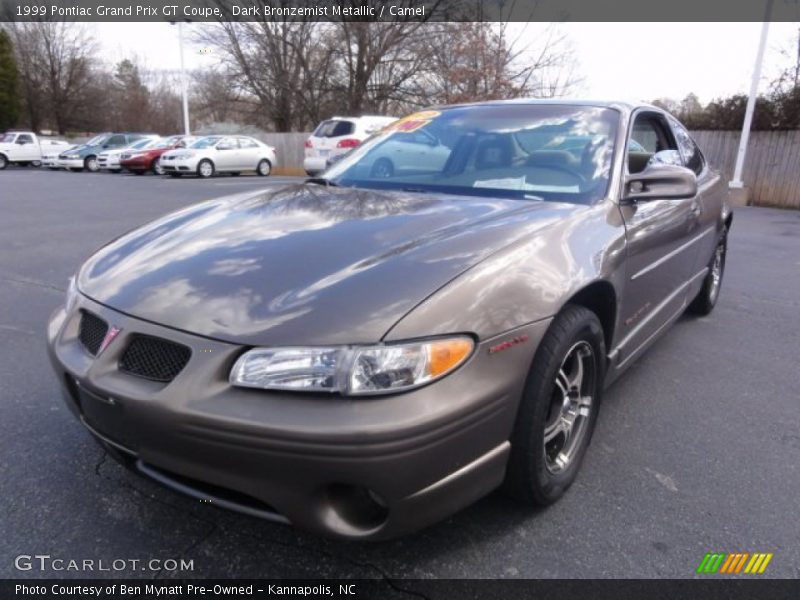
412	122
519	183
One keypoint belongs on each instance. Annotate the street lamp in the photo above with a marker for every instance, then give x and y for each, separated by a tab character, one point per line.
184	93
736	182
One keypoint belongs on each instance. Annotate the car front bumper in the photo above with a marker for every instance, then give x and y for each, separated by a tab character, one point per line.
183	165
70	163
136	164
366	468
108	162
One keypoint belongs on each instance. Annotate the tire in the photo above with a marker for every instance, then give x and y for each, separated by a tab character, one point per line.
3	162
176	175
90	164
264	168
157	168
37	163
707	297
205	168
382	168
560	401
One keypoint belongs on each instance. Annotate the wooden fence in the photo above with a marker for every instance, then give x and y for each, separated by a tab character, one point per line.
772	165
772	168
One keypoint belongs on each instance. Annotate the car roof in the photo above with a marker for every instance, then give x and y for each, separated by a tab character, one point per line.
626	106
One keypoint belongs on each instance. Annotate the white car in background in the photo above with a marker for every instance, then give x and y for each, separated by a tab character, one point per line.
26	148
220	154
337	136
109	159
416	152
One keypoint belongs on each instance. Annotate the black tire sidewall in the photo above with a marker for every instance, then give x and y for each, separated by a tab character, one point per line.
532	480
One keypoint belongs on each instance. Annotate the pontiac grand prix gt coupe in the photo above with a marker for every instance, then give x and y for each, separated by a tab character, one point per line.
368	352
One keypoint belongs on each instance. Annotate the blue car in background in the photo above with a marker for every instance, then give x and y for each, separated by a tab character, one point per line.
85	156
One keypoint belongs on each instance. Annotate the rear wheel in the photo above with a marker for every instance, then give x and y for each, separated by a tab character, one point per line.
707	297
3	162
205	169
558	410
90	164
264	168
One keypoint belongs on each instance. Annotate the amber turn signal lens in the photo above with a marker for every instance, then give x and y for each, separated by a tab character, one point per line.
446	355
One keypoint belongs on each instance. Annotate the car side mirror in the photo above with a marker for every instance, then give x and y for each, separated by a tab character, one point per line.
660	182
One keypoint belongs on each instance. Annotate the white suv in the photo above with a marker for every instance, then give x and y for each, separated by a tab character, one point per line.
339	135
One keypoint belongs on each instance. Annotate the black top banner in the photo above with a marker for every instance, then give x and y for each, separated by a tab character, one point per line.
401	10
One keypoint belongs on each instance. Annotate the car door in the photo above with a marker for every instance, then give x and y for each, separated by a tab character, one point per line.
711	193
27	149
662	242
248	153
226	154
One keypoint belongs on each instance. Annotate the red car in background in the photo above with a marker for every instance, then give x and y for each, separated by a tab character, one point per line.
147	159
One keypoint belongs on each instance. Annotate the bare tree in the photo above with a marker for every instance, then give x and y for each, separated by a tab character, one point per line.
56	72
477	61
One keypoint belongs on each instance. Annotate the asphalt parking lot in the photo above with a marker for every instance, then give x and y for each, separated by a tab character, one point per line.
697	446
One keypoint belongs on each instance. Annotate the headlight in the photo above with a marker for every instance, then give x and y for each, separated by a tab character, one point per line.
360	370
72	295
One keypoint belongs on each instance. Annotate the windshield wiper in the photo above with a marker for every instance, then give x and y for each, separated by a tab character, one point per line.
322	181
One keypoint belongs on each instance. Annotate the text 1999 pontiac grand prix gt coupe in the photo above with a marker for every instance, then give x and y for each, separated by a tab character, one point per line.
366	353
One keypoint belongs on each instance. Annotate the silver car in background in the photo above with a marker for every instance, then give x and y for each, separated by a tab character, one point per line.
220	154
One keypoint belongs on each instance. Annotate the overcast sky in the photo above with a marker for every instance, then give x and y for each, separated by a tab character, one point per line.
640	61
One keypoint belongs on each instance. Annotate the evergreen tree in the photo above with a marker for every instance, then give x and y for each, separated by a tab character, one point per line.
9	89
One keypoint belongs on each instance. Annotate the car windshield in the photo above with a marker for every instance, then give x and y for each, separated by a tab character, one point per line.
528	151
96	140
144	143
206	142
7	138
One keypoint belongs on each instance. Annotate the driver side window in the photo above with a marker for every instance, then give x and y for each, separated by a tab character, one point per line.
649	135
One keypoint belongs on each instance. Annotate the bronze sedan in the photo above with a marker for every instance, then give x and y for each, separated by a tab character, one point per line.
371	351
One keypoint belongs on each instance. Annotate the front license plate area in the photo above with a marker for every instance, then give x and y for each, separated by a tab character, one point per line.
107	416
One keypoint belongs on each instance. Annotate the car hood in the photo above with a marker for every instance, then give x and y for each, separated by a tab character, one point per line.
306	264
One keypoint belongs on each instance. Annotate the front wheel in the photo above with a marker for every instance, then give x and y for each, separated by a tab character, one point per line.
3	162
205	169
707	297
157	168
264	168
558	409
382	168
90	164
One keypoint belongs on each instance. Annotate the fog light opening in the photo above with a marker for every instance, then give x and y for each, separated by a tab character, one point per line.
359	507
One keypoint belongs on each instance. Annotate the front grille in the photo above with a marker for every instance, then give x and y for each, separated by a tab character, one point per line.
154	358
91	332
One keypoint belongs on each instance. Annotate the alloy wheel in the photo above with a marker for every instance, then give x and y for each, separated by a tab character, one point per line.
570	407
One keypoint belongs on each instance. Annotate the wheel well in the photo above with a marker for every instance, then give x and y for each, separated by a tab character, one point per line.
600	298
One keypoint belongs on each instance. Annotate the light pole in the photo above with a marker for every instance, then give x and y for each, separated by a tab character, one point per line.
184	93
736	182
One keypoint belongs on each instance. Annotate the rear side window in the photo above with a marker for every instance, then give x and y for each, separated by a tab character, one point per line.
692	157
247	143
335	128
